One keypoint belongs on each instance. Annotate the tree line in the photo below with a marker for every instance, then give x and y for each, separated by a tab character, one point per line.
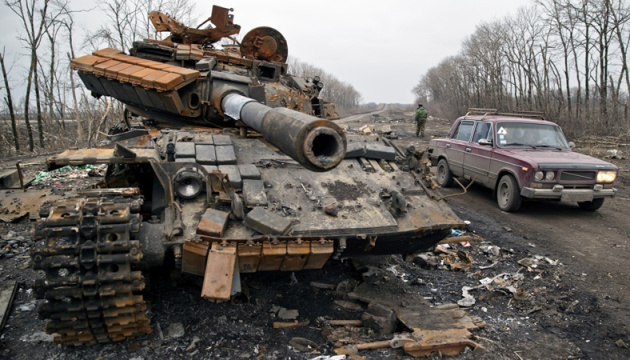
566	58
342	93
45	106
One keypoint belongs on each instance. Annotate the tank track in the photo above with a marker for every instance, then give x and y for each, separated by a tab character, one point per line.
89	255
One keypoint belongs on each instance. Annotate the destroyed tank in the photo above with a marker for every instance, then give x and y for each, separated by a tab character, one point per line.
221	165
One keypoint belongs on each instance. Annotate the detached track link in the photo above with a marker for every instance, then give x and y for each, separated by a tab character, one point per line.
88	255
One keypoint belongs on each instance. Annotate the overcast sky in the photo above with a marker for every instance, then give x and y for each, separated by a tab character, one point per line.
381	48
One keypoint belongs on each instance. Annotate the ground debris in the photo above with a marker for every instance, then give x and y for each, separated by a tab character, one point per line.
620	343
304	345
176	330
454	260
537	261
286	314
193	344
320	285
282	325
349	305
340	336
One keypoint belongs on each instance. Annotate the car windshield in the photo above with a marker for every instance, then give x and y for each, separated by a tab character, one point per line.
530	135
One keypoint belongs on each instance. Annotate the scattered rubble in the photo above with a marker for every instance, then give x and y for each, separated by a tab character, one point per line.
175	330
286	314
304	345
7	294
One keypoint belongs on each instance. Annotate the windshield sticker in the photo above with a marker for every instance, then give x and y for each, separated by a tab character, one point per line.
502	131
502	142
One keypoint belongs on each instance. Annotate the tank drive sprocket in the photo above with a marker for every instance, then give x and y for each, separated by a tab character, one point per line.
90	256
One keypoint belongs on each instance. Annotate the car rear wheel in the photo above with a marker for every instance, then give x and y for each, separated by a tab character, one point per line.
444	174
591	205
508	194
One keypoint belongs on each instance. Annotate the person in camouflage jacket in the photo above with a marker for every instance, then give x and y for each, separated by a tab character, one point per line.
421	119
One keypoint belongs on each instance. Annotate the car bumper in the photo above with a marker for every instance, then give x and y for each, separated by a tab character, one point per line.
560	193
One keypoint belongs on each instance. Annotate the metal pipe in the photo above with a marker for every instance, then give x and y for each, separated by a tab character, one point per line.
317	144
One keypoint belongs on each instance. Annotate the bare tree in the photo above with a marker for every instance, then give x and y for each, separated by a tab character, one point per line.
52	32
9	101
621	19
34	21
550	63
127	21
69	23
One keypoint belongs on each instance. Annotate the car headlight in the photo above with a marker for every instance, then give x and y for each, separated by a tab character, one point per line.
550	175
606	176
539	175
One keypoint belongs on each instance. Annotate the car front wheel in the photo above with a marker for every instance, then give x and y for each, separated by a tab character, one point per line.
444	174
591	205
508	194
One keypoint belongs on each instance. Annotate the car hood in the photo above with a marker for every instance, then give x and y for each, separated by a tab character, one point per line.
554	159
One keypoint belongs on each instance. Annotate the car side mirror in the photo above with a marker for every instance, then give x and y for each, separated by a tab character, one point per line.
571	144
485	142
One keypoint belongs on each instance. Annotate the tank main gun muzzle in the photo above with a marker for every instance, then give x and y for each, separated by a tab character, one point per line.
316	144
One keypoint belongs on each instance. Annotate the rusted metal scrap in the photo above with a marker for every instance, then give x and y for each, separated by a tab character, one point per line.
444	330
221	18
7	294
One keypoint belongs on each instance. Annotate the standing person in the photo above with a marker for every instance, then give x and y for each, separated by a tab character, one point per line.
421	119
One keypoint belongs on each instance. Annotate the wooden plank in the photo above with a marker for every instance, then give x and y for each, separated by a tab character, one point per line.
6	301
217	282
449	342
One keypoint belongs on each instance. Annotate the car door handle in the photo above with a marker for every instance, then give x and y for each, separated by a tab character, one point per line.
468	149
448	146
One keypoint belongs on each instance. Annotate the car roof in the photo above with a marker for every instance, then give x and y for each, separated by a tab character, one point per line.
505	118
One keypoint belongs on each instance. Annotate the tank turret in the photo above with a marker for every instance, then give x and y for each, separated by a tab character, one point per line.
183	80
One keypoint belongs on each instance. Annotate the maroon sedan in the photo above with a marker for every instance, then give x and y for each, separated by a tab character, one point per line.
520	157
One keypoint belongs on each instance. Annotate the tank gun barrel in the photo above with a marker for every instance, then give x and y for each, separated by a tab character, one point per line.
316	144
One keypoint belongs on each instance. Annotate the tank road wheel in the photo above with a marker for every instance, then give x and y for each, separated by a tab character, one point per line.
508	194
444	174
89	255
591	205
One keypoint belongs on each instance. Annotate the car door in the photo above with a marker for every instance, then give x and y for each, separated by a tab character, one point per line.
477	156
456	147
